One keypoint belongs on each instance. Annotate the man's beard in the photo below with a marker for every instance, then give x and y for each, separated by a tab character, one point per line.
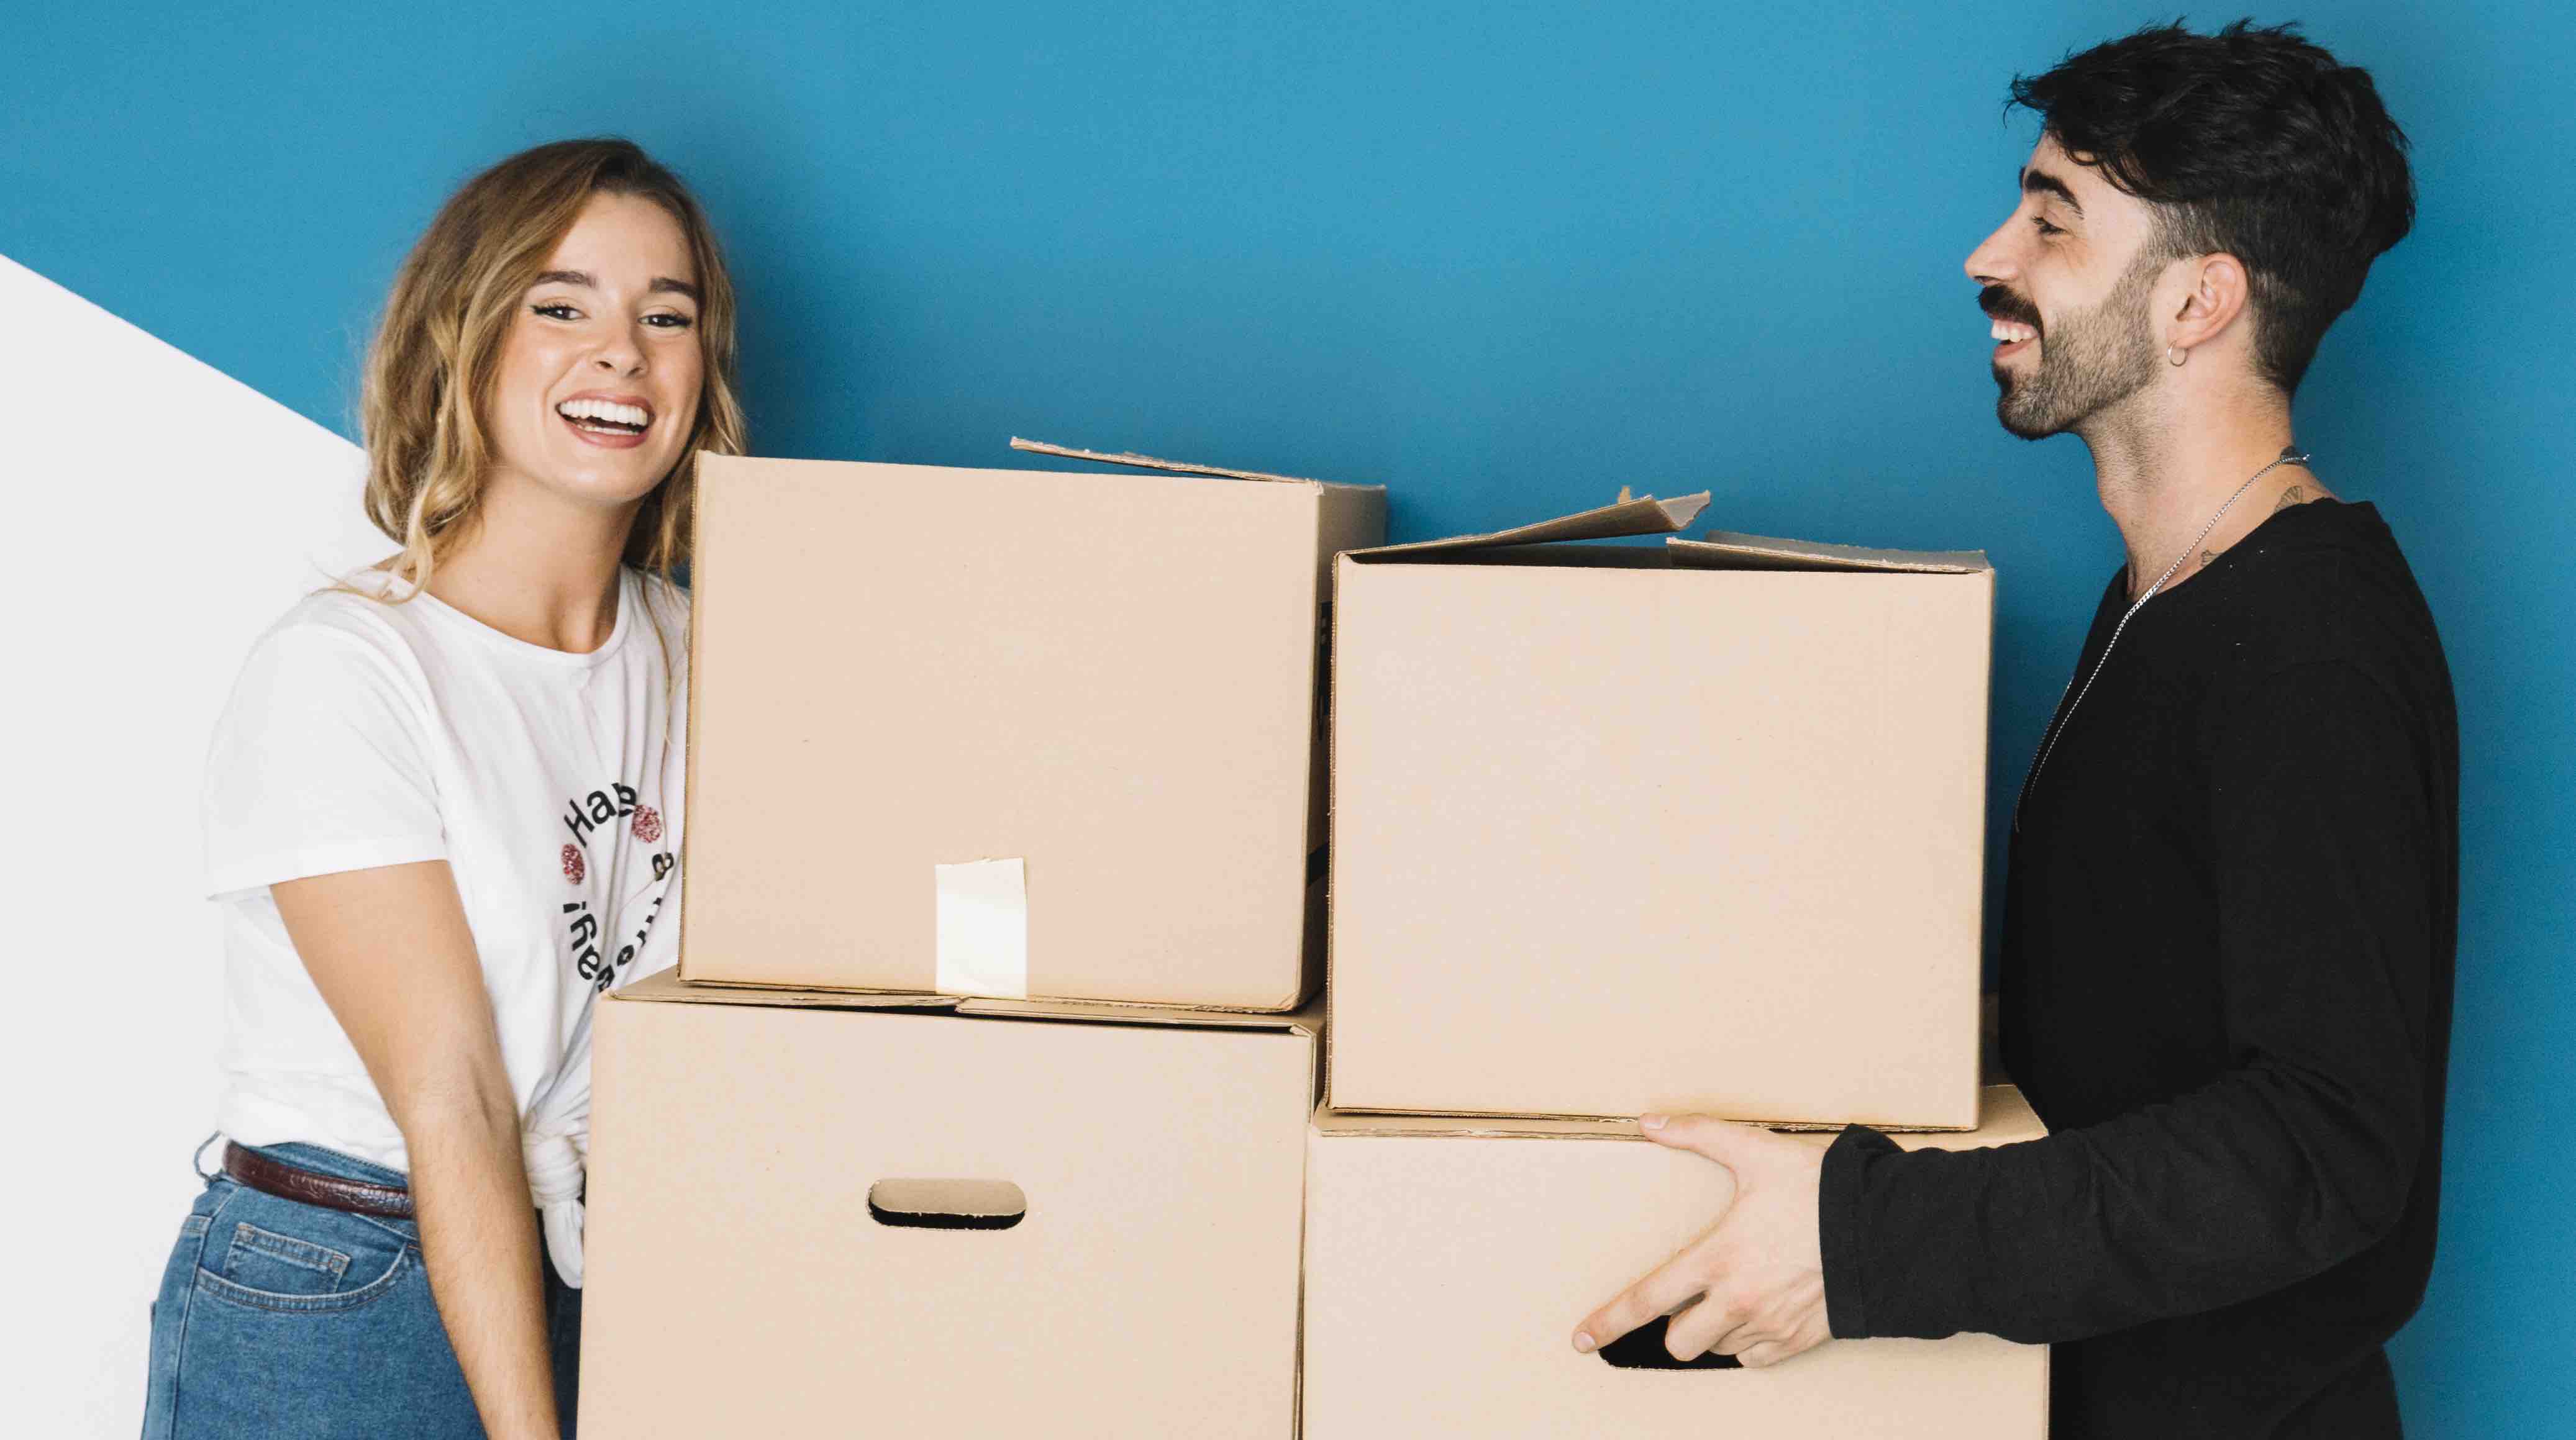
2087	362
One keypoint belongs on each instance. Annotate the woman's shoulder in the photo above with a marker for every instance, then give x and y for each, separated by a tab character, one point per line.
358	622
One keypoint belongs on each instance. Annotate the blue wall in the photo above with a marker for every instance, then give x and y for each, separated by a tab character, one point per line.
1504	258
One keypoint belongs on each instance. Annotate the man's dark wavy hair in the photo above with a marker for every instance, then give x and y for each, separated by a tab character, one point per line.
2252	141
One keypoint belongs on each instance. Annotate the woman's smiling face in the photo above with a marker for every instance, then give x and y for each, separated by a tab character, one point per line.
598	383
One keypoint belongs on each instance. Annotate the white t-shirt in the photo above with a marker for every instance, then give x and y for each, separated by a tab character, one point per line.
362	734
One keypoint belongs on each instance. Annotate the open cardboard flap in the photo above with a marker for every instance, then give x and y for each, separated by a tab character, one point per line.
1642	515
1177	467
1725	550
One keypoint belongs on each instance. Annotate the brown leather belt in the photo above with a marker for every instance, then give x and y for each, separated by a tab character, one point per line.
272	1177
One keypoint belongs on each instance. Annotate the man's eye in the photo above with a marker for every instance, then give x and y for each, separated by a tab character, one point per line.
556	310
2044	227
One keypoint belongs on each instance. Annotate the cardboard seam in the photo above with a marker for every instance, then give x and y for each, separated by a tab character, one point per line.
1297	1025
1333	850
1793	1127
689	766
1283	1015
1305	1206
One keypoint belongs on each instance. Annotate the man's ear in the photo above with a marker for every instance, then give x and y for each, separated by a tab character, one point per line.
2215	300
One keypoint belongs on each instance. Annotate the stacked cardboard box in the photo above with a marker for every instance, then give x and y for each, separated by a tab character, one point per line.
1696	826
1011	732
985	1100
824	1214
1447	1265
980	1102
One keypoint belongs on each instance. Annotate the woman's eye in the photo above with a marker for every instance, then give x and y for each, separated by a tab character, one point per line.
555	310
669	321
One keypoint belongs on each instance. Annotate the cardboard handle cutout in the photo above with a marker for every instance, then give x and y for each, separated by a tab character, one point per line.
1643	1349
947	1204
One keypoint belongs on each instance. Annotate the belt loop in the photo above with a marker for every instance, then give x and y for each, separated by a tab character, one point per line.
196	1157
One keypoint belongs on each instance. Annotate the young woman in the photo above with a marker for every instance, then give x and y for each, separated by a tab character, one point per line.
443	814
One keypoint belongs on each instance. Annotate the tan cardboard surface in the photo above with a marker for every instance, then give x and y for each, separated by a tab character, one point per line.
1112	678
1445	1276
1658	837
740	1284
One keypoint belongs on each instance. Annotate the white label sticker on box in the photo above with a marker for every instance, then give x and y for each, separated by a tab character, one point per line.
984	928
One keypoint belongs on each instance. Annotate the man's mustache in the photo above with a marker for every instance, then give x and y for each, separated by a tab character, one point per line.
2002	304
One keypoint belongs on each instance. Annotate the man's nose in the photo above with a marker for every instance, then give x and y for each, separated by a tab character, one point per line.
1991	263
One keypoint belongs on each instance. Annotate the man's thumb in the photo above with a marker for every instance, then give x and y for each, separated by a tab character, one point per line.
1723	1141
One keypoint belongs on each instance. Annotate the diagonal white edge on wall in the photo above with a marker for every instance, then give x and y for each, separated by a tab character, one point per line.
160	514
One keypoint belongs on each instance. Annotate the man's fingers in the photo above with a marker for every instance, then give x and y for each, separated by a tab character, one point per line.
1762	1353
1703	1327
1771	1352
1675	1281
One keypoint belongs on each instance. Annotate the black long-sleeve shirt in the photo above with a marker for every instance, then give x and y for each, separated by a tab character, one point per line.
2226	988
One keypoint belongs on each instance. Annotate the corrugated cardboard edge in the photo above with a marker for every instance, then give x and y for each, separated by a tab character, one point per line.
878	997
1644	515
672	986
1728	550
1177	467
669	986
2003	1111
1307	1022
707	464
1498	1123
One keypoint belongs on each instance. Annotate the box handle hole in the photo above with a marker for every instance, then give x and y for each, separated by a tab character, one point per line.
947	1204
1643	1349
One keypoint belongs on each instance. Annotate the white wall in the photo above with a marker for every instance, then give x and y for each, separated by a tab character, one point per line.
159	515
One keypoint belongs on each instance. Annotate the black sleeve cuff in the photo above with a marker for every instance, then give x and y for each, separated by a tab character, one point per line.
1842	1232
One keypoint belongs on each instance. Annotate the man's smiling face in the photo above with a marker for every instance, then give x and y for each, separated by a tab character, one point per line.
2068	282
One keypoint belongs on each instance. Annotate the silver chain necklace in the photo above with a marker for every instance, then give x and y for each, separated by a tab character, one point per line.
2290	455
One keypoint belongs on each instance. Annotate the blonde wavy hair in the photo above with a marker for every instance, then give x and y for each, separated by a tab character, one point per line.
432	364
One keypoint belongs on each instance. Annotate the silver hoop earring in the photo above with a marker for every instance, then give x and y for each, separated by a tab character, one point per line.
2175	355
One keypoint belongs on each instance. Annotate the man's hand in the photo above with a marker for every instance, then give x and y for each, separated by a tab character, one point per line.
1760	1269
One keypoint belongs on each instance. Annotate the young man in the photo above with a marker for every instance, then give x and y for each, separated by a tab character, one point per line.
2233	890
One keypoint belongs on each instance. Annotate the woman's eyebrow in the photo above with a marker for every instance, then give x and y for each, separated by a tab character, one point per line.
662	284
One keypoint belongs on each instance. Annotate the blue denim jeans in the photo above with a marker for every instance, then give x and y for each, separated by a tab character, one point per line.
288	1321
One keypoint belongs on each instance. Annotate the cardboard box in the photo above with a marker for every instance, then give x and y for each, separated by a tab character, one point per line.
756	1267
1011	732
1691	827
1446	1272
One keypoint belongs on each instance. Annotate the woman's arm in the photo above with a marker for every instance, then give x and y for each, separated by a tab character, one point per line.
389	950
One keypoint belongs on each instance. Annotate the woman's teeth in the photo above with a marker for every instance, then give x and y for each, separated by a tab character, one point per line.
606	416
